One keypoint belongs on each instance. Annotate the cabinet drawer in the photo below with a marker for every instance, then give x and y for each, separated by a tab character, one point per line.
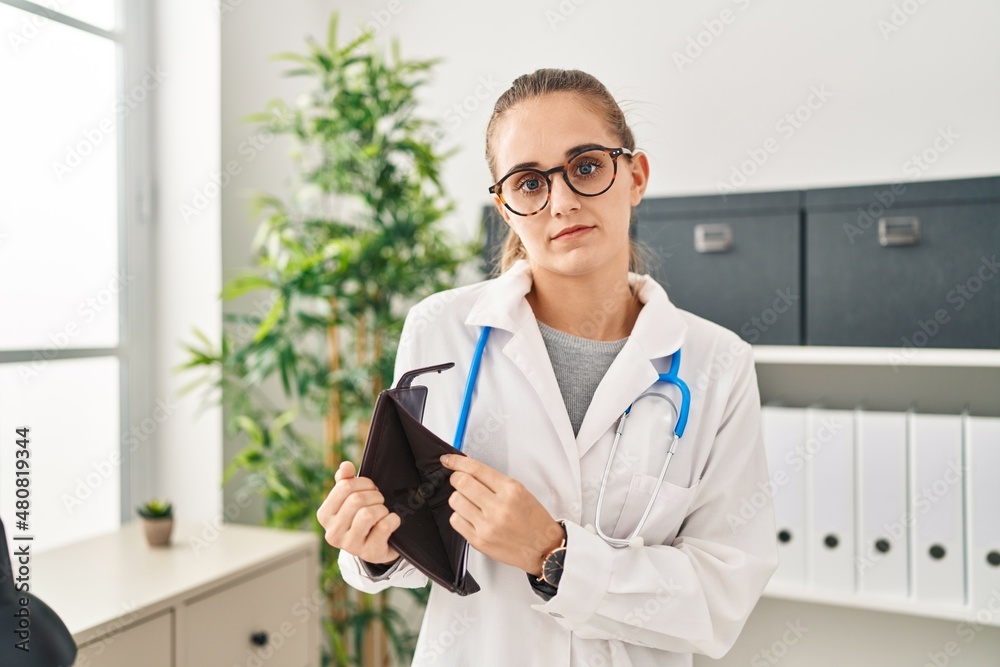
738	268
220	627
148	643
935	284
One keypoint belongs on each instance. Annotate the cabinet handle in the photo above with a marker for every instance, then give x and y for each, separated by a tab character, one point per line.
903	230
713	237
259	638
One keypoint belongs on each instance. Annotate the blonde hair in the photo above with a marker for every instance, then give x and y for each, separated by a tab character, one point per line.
597	99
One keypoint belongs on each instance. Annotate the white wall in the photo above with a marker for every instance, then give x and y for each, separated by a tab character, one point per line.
889	97
188	462
257	162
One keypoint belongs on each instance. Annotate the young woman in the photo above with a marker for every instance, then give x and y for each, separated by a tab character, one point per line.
548	502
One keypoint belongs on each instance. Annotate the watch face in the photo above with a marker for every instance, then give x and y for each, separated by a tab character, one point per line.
552	568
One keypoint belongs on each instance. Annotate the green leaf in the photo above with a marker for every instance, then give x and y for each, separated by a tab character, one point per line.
272	318
243	284
295	58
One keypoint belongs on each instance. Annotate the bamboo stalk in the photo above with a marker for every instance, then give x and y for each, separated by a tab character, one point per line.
369	650
332	437
333	434
383	600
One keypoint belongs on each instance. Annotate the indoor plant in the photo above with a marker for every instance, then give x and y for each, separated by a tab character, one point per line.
339	260
157	521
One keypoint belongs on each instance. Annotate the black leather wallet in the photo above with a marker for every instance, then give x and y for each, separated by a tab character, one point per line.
402	457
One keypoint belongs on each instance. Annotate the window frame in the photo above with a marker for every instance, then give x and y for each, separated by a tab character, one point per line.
135	219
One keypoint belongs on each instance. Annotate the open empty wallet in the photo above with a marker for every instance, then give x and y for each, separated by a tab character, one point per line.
402	457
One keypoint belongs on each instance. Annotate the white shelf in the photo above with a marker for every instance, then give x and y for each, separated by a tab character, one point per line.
892	357
784	591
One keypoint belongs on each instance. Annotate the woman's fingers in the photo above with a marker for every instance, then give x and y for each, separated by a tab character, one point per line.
465	507
342	490
356	519
464	528
345	471
369	534
474	490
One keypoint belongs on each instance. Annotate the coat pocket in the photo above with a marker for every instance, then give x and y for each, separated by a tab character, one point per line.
665	517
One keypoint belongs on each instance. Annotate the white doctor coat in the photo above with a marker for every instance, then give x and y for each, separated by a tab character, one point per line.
709	541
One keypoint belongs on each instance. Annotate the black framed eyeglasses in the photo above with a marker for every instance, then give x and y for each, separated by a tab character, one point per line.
589	173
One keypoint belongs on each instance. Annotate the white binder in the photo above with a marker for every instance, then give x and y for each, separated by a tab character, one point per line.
829	452
883	532
983	465
784	430
936	494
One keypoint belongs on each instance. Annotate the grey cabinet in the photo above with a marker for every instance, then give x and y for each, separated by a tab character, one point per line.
733	260
904	265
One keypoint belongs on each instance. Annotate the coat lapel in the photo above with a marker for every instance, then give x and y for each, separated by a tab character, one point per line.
658	332
502	306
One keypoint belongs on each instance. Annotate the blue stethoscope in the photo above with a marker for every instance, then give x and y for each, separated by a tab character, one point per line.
680	423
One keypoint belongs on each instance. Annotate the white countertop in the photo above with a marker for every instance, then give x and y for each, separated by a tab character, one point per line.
100	579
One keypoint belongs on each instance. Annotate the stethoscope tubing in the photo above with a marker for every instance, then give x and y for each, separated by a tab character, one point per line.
670	377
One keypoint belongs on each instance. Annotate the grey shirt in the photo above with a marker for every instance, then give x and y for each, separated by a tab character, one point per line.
579	365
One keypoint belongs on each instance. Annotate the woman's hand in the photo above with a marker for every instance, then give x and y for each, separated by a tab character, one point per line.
356	519
498	516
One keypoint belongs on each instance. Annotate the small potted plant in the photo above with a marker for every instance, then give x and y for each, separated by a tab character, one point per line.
157	521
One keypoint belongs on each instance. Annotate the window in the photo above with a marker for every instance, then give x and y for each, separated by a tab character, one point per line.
74	216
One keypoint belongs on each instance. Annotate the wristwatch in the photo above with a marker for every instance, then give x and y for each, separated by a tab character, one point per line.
552	564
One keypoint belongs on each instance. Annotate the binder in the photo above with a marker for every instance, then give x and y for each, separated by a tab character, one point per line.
883	532
783	430
983	466
936	495
829	453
